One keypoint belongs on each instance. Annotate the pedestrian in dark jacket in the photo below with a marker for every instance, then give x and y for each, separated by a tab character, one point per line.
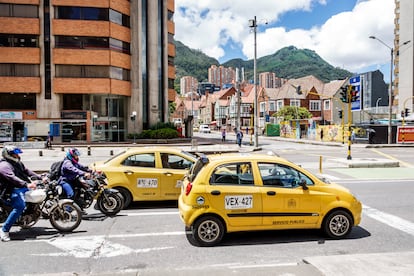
15	180
71	170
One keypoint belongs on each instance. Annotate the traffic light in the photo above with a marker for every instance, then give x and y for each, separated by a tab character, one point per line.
407	112
402	114
354	94
344	94
340	114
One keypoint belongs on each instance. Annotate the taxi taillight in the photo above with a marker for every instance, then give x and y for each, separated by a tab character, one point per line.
188	188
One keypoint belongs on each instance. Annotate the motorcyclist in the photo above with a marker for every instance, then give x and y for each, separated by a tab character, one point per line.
71	170
15	180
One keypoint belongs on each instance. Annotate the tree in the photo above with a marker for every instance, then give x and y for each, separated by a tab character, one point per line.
293	113
171	108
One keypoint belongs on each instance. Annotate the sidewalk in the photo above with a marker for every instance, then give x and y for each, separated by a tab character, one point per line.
100	151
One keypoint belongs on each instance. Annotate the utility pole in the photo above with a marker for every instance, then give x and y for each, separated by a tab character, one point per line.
238	98
253	25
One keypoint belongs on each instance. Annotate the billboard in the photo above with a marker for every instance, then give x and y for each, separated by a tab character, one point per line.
405	134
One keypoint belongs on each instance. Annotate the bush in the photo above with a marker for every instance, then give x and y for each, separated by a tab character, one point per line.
162	133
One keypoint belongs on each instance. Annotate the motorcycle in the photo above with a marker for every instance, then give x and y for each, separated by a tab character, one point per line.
109	201
64	215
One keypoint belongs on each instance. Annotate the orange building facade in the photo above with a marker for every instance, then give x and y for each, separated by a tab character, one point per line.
81	68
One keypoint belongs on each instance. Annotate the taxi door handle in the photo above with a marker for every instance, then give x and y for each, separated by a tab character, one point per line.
128	172
168	174
215	192
271	193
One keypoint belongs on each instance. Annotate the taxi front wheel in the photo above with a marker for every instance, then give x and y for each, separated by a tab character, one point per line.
208	231
338	224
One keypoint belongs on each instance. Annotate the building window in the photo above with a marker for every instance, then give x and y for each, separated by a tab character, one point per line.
15	40
19	70
92	71
295	103
17	10
82	71
119	46
327	105
170	83
99	14
18	101
279	105
315	105
272	106
86	42
81	13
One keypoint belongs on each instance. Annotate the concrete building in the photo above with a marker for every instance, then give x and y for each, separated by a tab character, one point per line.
188	84
269	80
81	69
404	55
220	75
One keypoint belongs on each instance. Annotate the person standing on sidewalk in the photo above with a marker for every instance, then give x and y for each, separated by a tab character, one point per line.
49	140
223	134
239	137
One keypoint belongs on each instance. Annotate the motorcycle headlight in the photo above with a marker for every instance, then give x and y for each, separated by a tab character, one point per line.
59	189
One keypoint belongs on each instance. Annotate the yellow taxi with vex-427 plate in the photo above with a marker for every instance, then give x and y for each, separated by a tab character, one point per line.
248	191
147	173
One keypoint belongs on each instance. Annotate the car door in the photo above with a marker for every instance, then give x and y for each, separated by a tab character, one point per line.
232	193
285	203
173	167
142	176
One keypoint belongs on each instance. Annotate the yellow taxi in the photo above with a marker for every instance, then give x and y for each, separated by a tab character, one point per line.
241	192
147	173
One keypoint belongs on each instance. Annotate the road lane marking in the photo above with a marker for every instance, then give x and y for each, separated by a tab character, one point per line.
93	247
150	214
405	164
390	220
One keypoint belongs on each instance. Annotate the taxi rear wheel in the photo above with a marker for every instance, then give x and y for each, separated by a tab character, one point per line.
126	195
338	224
208	231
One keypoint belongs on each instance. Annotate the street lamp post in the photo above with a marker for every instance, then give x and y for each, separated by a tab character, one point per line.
376	105
390	96
253	25
134	119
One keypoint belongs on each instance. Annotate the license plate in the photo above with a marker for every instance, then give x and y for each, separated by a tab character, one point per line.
238	202
147	183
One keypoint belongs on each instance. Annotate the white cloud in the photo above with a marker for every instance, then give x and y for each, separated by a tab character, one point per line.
342	40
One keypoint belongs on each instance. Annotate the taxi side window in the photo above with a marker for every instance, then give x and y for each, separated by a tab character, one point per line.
173	161
279	175
146	160
233	174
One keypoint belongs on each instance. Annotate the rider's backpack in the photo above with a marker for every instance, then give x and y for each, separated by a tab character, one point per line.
56	170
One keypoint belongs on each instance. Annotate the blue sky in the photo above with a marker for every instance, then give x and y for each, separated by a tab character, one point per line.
337	30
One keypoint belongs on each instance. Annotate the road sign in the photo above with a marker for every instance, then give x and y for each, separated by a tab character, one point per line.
405	134
356	82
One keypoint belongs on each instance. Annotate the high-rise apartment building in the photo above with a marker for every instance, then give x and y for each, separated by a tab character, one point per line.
82	68
404	55
220	75
188	84
269	80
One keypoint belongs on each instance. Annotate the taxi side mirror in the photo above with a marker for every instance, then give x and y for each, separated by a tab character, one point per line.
302	183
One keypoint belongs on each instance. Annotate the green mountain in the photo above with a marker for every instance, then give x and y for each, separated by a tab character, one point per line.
288	62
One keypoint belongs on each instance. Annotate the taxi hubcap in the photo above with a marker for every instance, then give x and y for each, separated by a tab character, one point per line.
339	225
208	231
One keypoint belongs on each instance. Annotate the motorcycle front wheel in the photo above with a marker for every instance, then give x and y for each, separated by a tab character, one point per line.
110	203
65	217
